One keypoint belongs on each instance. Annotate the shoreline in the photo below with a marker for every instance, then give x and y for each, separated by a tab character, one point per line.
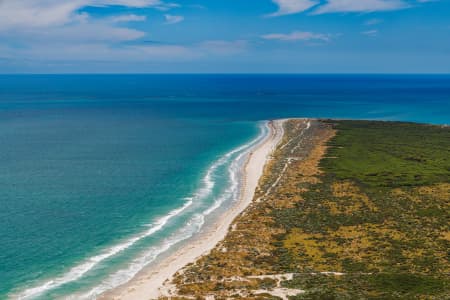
149	283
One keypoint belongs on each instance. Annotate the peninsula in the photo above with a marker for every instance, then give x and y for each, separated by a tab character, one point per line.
343	210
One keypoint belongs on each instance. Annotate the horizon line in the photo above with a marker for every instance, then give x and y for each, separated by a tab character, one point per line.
231	73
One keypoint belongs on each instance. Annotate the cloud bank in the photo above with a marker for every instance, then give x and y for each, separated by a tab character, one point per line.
47	13
298	36
288	7
171	19
355	6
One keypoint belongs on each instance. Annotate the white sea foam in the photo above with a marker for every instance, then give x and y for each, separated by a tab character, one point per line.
233	189
192	226
123	275
78	271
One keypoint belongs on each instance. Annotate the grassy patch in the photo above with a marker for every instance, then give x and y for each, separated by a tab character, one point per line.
389	154
379	207
411	284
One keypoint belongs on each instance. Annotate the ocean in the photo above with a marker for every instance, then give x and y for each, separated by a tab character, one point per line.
101	175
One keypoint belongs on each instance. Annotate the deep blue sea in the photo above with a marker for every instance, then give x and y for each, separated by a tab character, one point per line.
101	175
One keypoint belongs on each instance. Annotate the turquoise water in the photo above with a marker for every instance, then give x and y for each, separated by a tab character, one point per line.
101	175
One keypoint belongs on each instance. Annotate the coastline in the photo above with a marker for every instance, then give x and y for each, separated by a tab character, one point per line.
336	214
149	283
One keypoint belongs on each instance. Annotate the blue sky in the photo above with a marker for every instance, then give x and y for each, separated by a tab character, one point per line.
220	36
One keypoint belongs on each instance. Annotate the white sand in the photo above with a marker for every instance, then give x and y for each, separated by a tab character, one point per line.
148	284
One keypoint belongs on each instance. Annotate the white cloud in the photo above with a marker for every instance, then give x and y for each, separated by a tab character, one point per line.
127	3
167	6
60	26
128	18
102	51
171	19
21	14
288	7
47	13
298	36
370	33
99	52
63	21
76	34
83	33
58	31
343	6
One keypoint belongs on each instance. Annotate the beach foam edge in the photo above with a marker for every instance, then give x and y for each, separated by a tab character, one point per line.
150	282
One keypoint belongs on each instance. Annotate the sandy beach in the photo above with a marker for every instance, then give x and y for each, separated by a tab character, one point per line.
149	283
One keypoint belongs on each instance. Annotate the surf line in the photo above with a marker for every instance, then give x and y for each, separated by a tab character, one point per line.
193	225
202	193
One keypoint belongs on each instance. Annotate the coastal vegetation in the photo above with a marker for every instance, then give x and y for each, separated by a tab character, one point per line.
344	210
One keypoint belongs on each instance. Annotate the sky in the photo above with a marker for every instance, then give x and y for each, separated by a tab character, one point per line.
225	36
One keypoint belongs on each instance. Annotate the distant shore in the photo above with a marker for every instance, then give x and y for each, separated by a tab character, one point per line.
149	283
